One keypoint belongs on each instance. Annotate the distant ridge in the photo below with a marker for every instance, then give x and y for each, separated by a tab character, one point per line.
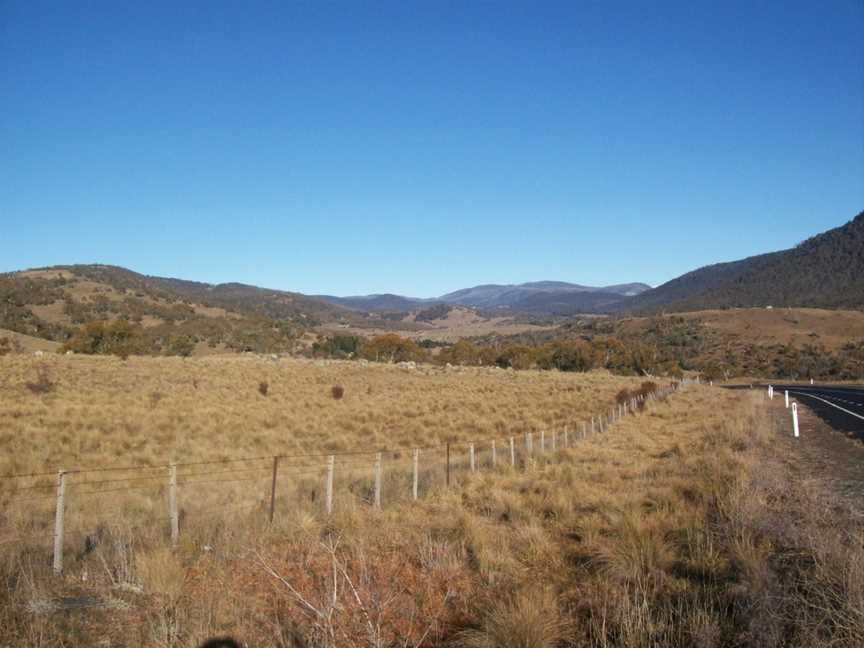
549	297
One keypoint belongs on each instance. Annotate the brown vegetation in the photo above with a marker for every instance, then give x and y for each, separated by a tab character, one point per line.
675	528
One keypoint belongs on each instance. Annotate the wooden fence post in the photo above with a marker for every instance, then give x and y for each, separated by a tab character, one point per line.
592	426
58	522
543	440
554	440
471	455
512	453
273	488
584	429
566	441
331	467
494	455
530	443
448	465
172	504
416	472
378	480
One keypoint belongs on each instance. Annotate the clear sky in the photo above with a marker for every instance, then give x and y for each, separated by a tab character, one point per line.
420	147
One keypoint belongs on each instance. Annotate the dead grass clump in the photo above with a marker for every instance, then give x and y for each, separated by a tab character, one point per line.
43	383
337	391
263	388
527	619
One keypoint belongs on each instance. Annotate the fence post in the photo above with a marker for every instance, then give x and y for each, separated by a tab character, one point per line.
471	455
530	443
566	440
448	465
512	453
416	471
331	466
58	522
795	419
172	504
494	455
378	480
543	440
554	440
273	488
787	398
592	426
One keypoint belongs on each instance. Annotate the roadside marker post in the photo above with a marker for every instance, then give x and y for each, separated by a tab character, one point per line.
795	420
770	392
787	398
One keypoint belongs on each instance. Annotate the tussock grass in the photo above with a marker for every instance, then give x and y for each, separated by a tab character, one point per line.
675	528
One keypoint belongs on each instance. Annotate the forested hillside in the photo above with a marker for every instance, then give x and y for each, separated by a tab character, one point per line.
825	271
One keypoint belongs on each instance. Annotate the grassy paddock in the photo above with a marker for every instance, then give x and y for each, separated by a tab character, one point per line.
677	528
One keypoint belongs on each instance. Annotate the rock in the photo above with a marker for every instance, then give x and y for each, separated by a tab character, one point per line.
407	365
38	354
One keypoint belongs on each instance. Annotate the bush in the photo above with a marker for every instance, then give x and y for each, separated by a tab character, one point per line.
181	345
337	391
392	348
118	338
263	388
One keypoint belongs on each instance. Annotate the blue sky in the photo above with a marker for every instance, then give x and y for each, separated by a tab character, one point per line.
421	147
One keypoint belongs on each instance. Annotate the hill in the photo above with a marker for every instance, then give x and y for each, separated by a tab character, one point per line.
825	271
163	313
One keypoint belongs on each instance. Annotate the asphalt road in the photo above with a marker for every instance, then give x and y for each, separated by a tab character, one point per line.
840	406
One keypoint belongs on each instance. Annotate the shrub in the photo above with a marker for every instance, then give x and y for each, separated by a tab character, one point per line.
392	348
263	388
181	345
337	391
118	338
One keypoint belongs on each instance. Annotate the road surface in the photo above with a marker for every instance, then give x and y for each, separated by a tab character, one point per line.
840	406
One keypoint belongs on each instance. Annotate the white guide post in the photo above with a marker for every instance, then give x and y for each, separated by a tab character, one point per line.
771	392
787	398
795	420
512	453
471	455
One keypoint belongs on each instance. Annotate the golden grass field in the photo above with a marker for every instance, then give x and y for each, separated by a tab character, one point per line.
676	527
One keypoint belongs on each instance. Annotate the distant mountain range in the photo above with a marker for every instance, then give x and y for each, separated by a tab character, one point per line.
550	297
825	271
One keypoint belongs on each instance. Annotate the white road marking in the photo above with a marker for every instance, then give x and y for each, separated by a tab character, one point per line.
842	409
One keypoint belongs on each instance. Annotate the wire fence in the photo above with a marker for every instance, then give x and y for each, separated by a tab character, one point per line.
168	495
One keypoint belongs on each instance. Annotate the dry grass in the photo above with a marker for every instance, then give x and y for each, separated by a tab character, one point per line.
793	326
145	410
676	528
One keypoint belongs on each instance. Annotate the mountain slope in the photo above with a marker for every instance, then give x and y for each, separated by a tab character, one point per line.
825	271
